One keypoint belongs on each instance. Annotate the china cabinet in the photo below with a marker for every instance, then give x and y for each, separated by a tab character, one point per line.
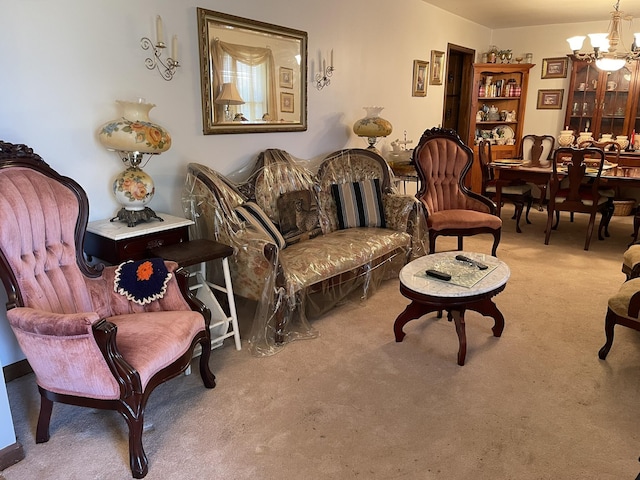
498	101
603	102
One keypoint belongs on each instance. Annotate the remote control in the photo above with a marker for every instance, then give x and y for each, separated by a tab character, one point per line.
462	258
439	275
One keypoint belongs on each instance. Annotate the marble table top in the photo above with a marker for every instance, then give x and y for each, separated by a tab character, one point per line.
412	275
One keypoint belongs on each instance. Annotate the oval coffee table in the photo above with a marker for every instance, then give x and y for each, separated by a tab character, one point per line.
465	291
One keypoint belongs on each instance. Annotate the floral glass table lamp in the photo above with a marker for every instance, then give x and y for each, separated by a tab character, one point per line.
132	136
372	126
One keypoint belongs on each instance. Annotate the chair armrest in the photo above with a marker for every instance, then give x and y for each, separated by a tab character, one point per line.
475	200
634	305
39	322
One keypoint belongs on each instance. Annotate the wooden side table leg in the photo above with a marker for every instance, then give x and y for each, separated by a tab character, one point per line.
489	309
458	319
414	310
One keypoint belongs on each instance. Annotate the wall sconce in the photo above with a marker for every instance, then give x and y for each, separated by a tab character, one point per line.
323	78
167	68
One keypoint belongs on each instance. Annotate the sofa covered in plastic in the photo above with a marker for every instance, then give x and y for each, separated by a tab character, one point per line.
295	268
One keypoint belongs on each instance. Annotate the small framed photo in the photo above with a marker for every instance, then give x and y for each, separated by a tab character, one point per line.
286	77
420	71
286	102
550	99
555	67
437	67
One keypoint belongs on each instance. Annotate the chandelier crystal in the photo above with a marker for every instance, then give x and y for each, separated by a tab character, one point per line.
606	53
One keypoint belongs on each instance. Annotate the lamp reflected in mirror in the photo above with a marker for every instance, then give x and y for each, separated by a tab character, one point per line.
229	95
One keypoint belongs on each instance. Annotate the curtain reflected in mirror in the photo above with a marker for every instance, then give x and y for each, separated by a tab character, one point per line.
253	75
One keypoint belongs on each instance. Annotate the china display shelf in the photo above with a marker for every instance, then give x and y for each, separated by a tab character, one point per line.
499	98
495	122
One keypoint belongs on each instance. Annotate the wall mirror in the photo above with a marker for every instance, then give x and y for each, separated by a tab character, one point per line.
253	75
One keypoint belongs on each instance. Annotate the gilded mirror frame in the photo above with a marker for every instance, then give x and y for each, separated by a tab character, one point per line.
287	81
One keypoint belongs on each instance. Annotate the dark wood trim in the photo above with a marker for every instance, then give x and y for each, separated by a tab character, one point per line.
16	370
11	455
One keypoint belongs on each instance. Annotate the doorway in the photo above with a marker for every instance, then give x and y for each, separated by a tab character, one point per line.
457	93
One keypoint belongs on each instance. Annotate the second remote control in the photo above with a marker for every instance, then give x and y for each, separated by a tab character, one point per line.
462	258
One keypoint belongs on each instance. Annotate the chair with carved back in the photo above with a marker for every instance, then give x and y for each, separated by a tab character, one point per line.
98	337
442	161
519	193
568	190
537	151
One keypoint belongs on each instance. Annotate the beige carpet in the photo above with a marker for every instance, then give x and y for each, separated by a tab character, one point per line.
534	404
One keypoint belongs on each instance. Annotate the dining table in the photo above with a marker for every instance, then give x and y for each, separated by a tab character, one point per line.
613	176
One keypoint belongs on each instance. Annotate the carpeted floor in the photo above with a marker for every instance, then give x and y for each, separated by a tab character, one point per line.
536	403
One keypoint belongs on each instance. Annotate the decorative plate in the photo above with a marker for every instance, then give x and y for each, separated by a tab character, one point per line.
503	131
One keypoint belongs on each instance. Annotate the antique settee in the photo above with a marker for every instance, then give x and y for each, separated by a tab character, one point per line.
295	252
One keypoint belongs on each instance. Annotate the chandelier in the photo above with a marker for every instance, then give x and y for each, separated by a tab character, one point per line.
606	54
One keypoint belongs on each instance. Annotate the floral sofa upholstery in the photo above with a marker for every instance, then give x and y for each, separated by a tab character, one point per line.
294	277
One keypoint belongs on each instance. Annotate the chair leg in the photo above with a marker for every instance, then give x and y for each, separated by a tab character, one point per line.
529	203
592	221
609	323
547	232
519	206
133	412
432	243
496	241
607	213
460	242
555	227
44	419
208	378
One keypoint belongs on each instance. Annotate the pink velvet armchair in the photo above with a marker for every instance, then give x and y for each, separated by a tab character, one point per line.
442	161
87	344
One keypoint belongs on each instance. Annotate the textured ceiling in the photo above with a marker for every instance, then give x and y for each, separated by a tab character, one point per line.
521	13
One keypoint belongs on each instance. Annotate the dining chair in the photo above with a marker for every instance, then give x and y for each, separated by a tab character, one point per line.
568	190
518	192
537	150
442	161
97	337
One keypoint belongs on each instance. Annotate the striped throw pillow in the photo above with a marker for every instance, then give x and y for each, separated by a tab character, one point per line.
359	204
252	214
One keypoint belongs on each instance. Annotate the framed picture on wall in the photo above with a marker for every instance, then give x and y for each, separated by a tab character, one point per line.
420	71
555	67
286	77
437	67
286	102
550	99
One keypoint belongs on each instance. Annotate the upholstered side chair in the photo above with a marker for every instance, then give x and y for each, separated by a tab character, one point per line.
442	161
88	344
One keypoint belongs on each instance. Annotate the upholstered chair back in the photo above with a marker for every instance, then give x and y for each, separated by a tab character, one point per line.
347	166
442	163
40	249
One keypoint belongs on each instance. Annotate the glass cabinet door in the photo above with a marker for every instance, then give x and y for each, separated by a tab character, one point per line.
615	101
584	103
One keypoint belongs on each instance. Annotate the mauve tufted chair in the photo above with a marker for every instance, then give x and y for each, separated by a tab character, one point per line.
87	344
442	162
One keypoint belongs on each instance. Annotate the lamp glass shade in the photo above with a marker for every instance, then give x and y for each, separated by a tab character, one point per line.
599	40
575	43
610	64
229	95
134	132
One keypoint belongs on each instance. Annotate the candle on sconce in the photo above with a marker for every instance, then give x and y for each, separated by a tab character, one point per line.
324	66
159	31
331	64
174	48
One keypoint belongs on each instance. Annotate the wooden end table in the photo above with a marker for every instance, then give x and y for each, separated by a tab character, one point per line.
430	295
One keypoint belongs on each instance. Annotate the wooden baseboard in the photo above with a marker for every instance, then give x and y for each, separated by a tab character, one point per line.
16	370
11	455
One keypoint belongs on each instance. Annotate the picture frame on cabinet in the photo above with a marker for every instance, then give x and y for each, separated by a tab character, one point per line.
420	72
550	99
437	67
555	67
